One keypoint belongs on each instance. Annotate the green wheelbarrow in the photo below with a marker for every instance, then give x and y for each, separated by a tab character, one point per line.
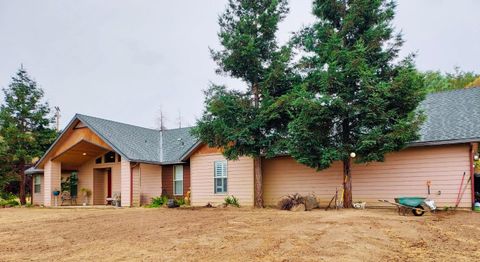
418	205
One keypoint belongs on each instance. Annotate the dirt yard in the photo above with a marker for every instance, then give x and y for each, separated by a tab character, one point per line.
235	235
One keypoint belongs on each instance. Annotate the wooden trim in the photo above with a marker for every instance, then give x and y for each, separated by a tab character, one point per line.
109	182
74	145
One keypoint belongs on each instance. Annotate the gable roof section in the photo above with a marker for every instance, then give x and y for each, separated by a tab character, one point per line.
137	144
141	144
132	142
451	117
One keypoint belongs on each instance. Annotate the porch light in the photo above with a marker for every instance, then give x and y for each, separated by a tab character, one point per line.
84	154
353	155
475	157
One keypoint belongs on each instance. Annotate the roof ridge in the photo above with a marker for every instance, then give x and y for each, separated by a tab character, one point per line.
178	128
118	122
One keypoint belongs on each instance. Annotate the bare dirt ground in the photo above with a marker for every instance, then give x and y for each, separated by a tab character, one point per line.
236	235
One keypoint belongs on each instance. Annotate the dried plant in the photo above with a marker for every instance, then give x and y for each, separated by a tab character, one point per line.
289	201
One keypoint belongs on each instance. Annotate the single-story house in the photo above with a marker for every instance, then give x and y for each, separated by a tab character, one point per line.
137	163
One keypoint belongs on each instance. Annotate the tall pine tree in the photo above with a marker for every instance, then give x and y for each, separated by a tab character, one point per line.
357	97
24	125
244	123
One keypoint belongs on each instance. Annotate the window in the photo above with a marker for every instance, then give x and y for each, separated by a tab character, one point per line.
220	177
98	160
37	184
109	157
178	180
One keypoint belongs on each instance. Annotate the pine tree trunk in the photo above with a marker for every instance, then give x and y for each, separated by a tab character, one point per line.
347	183
23	182
257	162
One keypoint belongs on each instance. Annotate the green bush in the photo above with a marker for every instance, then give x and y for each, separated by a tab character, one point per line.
9	203
7	196
231	201
180	201
158	201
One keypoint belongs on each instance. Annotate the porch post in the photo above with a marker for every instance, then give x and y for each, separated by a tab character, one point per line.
125	183
51	181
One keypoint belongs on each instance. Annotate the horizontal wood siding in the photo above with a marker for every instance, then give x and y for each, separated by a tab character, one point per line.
167	179
99	181
151	182
283	176
240	179
403	173
85	180
37	198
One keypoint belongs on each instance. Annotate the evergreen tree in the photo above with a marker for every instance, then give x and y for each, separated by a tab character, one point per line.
244	123
25	126
355	97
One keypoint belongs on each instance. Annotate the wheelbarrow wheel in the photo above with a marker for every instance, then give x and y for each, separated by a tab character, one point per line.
416	212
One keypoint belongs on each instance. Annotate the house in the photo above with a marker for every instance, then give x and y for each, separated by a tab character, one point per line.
140	163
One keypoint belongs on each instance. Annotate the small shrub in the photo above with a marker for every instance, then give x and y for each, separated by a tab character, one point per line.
180	202
289	201
231	201
158	201
7	196
9	203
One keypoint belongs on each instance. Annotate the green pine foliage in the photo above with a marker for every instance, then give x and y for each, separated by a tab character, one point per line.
245	122
355	96
24	127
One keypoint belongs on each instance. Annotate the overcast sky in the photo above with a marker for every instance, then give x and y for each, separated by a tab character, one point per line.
123	60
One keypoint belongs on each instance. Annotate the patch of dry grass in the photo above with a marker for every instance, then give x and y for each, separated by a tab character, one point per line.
235	235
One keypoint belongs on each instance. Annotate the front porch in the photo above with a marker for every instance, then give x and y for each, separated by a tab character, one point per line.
90	175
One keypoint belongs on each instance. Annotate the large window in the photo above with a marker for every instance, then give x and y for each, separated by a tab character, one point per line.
37	184
220	177
109	157
178	180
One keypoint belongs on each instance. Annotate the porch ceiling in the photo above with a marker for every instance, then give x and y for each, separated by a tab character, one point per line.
79	153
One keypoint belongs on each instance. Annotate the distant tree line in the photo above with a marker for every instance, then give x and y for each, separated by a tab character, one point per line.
436	81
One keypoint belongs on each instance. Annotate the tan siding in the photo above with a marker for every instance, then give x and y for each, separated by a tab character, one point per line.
403	173
136	186
99	182
151	182
283	176
125	182
52	175
240	179
85	180
38	197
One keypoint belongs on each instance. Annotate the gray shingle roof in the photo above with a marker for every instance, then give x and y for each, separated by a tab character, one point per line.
452	116
142	144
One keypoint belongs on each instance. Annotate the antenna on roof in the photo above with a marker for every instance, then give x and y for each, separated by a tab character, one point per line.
179	119
57	118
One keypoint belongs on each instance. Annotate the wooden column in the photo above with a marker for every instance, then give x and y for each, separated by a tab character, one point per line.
125	183
51	181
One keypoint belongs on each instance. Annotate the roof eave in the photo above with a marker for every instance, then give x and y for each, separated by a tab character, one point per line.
189	152
444	142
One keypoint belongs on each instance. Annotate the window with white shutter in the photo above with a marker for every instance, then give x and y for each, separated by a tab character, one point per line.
220	177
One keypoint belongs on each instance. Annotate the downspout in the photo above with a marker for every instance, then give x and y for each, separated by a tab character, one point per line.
473	149
131	183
